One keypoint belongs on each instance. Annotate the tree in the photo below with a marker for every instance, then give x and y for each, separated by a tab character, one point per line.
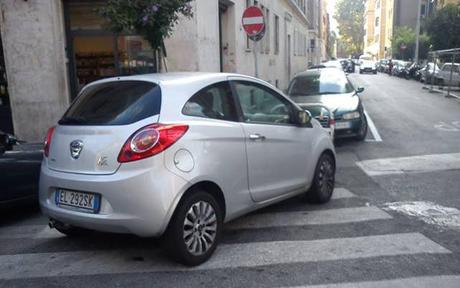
153	19
403	44
444	27
350	18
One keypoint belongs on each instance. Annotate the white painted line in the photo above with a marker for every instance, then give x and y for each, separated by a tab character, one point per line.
412	164
227	256
319	217
444	281
253	20
340	193
428	212
372	127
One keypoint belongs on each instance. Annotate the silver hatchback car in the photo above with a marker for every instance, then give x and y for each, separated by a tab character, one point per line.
177	155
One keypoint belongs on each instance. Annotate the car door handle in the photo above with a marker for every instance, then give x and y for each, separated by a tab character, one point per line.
256	136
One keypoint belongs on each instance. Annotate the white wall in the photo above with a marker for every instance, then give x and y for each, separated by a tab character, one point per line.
33	43
194	46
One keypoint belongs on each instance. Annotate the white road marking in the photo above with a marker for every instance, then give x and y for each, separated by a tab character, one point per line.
319	217
446	127
412	164
340	193
428	212
444	281
227	256
373	129
44	232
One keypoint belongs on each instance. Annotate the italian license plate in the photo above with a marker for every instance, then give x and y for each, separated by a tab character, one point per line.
342	125
88	202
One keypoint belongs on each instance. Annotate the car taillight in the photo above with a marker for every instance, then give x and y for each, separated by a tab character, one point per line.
49	136
150	140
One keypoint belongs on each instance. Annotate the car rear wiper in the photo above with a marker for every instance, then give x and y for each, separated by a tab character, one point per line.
72	120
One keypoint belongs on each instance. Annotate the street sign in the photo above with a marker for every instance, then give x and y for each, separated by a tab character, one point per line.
253	22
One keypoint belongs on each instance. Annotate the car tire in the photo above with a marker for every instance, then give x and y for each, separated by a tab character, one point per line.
360	72
362	130
71	231
323	181
195	228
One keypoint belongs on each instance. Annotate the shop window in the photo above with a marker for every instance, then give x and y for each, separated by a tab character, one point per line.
97	52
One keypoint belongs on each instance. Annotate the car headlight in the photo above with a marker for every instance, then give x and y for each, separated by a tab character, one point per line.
351	115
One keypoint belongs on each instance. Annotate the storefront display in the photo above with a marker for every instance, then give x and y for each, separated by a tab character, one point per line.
96	52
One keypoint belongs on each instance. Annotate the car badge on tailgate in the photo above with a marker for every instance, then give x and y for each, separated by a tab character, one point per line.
75	148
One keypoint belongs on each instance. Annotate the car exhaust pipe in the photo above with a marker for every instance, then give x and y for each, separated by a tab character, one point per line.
52	223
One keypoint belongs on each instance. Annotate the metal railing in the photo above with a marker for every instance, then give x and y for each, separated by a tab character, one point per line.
444	56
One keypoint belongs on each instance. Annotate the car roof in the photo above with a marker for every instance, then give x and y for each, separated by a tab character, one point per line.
327	70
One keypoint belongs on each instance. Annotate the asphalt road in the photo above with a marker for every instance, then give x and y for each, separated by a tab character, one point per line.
394	220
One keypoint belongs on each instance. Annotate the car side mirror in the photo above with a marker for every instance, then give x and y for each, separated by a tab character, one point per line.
303	118
360	90
11	140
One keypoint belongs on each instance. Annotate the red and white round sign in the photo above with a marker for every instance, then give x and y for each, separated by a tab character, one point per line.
253	21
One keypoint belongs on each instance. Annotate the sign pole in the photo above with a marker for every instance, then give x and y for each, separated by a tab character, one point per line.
253	22
256	64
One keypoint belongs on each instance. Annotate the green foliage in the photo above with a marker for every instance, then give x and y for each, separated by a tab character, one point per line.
444	27
350	18
406	36
153	19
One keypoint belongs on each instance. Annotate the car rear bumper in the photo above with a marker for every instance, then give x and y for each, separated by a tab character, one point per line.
135	199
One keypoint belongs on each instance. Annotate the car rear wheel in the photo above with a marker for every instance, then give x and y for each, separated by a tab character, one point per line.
194	231
362	133
323	181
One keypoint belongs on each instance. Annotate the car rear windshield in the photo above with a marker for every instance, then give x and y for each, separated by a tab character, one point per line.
320	84
114	103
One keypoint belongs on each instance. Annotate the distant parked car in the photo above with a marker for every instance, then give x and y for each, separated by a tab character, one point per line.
19	170
179	154
368	66
398	68
332	88
381	65
444	74
333	64
426	72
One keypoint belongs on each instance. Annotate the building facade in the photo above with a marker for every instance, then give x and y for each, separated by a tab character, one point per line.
52	48
382	17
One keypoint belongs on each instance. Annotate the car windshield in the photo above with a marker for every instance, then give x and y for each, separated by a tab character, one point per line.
325	82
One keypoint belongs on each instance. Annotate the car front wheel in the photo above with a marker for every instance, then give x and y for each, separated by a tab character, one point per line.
195	228
323	181
362	133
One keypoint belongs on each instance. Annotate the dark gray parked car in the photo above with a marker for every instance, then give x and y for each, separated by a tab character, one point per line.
19	170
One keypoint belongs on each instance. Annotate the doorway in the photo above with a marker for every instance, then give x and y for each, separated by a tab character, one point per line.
227	36
95	52
6	122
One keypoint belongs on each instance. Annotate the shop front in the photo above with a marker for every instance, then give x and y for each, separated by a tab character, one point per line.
94	52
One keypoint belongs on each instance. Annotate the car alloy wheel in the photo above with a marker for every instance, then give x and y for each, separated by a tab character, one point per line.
200	227
326	177
323	181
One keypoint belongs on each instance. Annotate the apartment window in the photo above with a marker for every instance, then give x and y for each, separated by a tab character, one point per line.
277	35
377	21
377	4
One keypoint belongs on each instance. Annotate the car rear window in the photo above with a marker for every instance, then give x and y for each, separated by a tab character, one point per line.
114	103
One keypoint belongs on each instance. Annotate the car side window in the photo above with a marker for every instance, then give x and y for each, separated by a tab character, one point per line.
215	101
260	104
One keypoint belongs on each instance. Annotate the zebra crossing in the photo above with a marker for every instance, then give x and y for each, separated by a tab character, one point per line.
46	256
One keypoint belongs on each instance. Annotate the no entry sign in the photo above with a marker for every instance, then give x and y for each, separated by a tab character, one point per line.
253	21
